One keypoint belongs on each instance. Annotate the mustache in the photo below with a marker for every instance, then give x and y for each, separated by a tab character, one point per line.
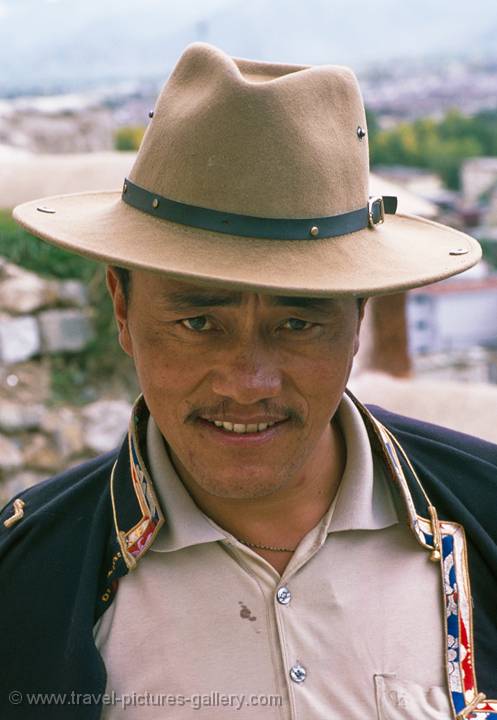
227	407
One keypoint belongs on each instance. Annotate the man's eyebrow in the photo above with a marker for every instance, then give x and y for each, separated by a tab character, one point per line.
306	303
188	299
185	299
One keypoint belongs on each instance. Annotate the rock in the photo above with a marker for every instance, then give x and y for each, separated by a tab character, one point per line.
27	382
105	424
41	453
72	292
19	338
9	270
15	416
10	455
65	330
66	428
26	293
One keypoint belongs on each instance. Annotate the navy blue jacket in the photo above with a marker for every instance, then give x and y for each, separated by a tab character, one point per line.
60	564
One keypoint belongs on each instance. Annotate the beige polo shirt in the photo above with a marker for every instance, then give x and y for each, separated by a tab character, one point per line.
206	628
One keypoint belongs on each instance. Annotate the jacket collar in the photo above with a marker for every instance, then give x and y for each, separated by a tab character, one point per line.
137	513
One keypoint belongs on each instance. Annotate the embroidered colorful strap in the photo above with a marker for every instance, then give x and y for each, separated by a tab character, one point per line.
459	625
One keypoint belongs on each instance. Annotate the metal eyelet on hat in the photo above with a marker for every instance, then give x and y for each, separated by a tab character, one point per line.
361	133
314	231
155	203
151	114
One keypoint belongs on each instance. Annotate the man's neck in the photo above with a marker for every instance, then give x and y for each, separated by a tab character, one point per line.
283	518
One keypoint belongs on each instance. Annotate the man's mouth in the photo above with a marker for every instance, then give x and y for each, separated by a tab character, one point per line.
257	428
242	428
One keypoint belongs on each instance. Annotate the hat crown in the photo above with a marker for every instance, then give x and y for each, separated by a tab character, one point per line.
257	138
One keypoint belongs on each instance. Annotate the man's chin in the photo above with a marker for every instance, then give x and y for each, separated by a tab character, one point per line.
248	486
226	475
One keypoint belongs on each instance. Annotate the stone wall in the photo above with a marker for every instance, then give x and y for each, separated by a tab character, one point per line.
40	318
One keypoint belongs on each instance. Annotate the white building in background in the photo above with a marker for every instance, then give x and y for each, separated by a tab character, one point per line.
478	177
457	314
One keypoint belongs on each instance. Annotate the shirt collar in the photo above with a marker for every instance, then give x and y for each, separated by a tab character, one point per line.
138	516
363	501
185	524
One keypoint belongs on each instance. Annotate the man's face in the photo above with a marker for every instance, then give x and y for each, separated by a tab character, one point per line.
242	385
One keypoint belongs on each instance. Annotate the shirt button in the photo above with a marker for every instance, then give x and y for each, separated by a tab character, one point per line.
284	596
298	673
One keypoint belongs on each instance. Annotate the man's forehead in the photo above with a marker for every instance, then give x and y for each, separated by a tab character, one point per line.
181	294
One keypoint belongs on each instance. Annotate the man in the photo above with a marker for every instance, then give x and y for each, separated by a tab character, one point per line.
261	543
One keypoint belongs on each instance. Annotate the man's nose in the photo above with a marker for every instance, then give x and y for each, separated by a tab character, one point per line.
247	376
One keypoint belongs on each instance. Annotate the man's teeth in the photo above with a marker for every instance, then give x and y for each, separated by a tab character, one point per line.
239	428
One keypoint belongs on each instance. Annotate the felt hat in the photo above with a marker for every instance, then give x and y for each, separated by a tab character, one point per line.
255	175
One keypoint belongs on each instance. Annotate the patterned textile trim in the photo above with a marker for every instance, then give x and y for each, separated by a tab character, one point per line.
459	623
136	541
486	710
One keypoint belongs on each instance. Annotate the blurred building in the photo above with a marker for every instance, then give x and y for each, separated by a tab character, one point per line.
479	195
478	179
455	314
419	182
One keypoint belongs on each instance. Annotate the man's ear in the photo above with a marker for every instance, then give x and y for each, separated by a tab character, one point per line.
121	310
361	308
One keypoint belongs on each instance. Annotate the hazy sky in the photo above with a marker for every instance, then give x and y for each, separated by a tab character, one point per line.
185	10
45	43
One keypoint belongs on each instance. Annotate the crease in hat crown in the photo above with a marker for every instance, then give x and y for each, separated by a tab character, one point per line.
256	138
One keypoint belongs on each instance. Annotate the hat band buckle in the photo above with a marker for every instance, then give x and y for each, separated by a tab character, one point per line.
376	211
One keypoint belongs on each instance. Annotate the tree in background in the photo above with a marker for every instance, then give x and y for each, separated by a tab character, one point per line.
128	137
437	145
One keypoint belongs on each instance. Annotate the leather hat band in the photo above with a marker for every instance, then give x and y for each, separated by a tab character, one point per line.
256	227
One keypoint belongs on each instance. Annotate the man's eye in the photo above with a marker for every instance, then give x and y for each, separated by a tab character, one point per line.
297	324
198	324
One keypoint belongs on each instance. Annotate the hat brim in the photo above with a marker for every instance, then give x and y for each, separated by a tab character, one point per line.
405	252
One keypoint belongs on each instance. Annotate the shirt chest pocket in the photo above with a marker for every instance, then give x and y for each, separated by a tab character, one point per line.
398	699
